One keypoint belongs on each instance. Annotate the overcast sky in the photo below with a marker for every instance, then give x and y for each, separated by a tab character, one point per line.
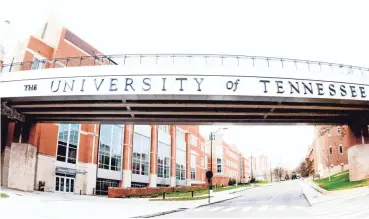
333	31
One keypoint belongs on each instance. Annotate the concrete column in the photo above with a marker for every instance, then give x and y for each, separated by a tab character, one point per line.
153	155
188	160
127	156
173	156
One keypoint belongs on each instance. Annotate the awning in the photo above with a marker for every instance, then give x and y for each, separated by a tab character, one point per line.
64	170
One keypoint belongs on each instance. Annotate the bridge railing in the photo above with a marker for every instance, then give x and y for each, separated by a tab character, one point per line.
188	59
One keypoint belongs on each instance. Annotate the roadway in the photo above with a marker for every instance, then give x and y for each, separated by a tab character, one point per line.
280	200
284	199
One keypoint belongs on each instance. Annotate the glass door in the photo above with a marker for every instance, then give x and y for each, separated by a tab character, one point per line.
64	184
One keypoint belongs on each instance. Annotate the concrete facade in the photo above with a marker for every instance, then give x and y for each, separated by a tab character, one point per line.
22	162
358	157
45	171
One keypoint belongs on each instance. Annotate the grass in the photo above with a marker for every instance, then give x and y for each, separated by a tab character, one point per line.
184	194
3	195
262	182
341	181
182	198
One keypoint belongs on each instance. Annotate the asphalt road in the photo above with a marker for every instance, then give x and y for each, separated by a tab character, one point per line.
284	199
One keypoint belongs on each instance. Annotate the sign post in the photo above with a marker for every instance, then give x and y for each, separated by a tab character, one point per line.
209	175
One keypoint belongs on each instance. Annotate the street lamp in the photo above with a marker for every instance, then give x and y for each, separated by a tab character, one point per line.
212	136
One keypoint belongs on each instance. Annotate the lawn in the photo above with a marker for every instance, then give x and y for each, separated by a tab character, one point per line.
3	195
340	181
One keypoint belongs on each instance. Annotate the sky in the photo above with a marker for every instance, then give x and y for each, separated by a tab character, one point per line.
332	31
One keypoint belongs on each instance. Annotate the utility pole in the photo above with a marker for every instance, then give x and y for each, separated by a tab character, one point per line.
252	175
271	174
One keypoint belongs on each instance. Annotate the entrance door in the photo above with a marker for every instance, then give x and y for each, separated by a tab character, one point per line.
64	184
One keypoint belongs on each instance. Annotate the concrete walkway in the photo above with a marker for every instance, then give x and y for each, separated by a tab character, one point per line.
59	205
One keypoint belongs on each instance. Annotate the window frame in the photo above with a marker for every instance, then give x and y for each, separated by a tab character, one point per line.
68	143
110	156
137	158
341	148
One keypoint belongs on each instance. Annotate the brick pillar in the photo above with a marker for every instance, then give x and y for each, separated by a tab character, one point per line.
359	134
188	160
153	155
127	156
172	156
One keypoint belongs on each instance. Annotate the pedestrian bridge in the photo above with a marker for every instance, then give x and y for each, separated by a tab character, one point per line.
184	89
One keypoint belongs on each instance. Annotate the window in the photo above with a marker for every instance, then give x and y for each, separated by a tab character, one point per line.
219	165
180	155
339	131
180	165
110	147
329	132
138	185
68	143
164	128
202	162
102	185
192	140
141	154
330	150
206	162
163	160
37	64
341	148
193	166
202	146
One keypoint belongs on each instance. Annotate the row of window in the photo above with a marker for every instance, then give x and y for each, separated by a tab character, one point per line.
231	164
339	131
340	148
111	145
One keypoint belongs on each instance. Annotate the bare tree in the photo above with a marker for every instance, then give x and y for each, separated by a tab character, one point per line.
278	172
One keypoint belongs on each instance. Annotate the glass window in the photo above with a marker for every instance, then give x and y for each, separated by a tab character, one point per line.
164	128
180	140
163	160
102	185
330	150
110	148
202	146
193	166
341	148
141	154
180	164
68	143
329	131
37	64
219	165
193	140
202	162
338	131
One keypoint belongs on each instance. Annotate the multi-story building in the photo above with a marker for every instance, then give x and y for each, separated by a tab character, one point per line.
89	158
329	149
226	160
244	169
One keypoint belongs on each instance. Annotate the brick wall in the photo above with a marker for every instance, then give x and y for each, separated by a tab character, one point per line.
120	192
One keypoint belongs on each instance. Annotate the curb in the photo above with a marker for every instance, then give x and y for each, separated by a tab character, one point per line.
161	213
203	205
251	187
182	209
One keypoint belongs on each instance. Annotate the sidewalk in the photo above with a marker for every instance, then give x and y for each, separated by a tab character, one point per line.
58	205
315	195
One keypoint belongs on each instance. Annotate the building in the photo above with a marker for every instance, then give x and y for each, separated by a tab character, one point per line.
89	158
244	169
329	149
226	160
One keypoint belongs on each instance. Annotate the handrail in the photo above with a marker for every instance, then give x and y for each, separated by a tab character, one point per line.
111	59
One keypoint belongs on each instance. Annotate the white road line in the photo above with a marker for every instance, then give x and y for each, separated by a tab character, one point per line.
200	209
230	209
280	207
263	208
248	208
216	208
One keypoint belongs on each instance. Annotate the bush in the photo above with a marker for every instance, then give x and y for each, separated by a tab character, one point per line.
232	182
253	180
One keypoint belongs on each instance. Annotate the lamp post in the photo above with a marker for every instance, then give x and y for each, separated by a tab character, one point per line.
212	135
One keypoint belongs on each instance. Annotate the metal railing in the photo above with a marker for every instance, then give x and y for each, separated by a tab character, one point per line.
186	59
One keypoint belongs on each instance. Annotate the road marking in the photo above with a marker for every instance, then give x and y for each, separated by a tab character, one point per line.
280	207
248	208
201	209
263	208
230	209
216	208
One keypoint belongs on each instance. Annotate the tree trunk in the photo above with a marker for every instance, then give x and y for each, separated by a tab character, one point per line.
329	170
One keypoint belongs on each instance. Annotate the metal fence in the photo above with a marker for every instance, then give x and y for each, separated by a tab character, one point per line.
187	59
